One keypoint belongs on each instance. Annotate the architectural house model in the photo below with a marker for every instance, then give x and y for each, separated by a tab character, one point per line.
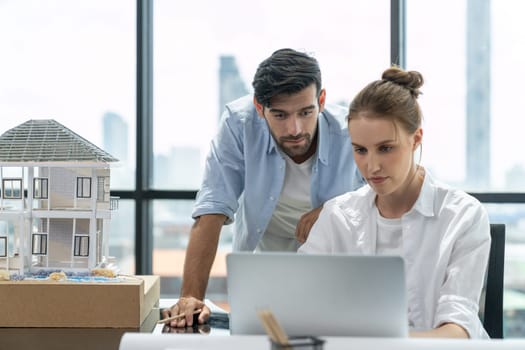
55	204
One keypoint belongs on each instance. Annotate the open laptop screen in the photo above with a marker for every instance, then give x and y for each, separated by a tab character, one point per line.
319	295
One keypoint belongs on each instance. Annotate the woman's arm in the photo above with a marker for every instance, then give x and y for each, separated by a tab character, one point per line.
447	330
460	292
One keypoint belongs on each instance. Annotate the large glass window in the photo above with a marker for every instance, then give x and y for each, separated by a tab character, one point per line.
171	226
470	97
444	91
75	62
206	53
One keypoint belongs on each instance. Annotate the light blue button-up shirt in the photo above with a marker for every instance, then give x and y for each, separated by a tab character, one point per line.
244	171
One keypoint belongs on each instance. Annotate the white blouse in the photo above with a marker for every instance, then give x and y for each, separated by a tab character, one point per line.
445	246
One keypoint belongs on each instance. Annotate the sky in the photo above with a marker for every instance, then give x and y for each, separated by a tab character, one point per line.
74	61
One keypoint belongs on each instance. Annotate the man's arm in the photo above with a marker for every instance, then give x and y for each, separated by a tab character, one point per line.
200	254
305	224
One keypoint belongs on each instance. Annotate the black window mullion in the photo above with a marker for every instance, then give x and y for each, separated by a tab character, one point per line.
500	197
398	33
144	145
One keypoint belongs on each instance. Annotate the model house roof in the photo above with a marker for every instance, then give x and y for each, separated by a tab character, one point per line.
47	140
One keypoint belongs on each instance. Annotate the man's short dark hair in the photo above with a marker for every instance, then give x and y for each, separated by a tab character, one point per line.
286	71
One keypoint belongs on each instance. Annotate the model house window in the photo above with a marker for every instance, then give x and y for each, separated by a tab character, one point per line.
40	188
39	244
83	187
12	188
81	246
103	188
3	247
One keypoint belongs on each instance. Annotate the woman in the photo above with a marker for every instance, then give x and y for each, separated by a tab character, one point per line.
442	233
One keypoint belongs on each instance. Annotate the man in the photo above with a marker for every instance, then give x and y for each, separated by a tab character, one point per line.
278	156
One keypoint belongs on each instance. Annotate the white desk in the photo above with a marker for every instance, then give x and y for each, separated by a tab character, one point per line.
141	341
220	339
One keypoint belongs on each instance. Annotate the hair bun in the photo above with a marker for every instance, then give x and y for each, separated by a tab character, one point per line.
411	80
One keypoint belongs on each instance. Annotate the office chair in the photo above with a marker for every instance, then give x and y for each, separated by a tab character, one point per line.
493	305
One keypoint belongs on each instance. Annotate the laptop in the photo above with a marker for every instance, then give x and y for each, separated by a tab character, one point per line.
318	295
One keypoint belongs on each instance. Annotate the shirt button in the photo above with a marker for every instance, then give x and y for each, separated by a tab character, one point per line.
271	198
258	230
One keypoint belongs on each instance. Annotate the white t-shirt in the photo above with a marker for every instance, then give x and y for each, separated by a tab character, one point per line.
389	236
293	202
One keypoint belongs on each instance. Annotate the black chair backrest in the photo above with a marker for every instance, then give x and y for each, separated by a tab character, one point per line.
493	307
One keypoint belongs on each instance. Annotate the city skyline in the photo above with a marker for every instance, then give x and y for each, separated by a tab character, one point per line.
75	84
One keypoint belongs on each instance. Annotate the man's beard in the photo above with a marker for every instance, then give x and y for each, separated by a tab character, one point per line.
295	150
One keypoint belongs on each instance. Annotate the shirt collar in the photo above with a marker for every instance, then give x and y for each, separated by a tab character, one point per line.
424	203
371	196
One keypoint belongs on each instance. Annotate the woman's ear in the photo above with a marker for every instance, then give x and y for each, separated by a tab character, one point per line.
418	138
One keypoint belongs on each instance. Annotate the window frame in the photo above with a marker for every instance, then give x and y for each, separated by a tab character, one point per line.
41	188
3	252
78	242
81	183
12	189
42	249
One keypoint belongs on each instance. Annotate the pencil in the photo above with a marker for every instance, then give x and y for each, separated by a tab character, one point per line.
168	319
273	329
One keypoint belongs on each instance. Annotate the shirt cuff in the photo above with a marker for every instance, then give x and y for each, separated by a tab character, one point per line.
461	311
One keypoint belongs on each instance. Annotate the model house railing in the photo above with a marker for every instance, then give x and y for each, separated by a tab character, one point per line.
113	202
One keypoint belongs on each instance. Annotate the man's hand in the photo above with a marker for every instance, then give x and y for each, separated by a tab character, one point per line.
200	253
305	224
187	306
